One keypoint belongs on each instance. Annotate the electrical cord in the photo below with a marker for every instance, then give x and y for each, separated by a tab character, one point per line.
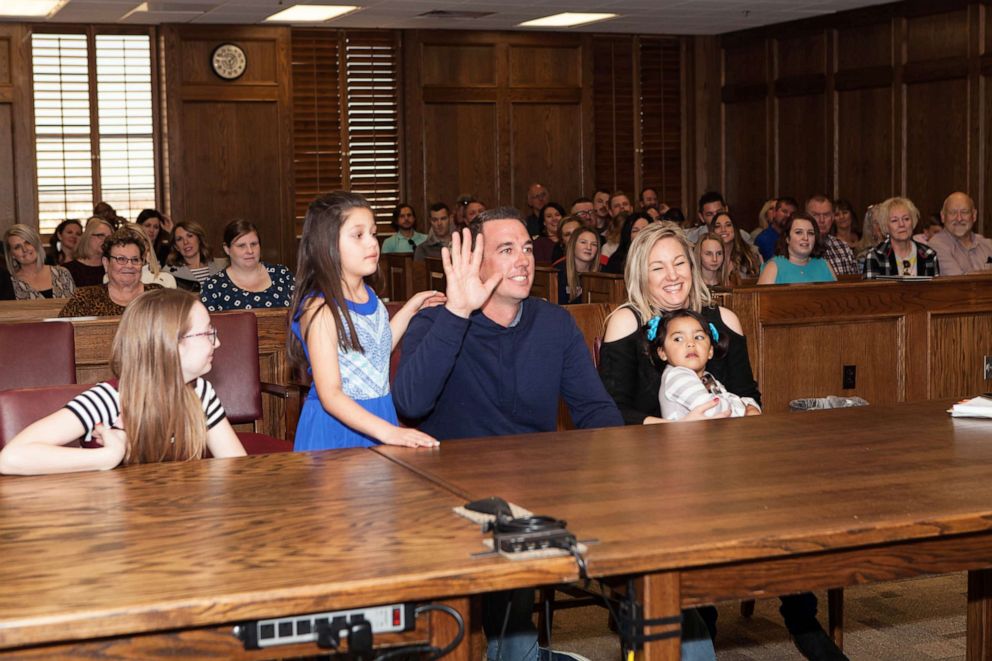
435	652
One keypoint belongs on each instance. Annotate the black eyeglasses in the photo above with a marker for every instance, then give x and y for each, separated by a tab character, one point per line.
124	261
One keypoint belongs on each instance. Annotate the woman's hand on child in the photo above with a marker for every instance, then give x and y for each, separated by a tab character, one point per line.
409	437
466	291
114	442
752	410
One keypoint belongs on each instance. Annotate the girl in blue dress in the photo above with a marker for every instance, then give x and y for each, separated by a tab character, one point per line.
342	333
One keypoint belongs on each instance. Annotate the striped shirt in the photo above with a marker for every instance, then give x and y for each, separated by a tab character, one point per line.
682	390
101	405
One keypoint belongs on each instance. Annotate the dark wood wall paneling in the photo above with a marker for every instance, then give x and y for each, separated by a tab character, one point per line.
864	104
18	193
230	142
490	113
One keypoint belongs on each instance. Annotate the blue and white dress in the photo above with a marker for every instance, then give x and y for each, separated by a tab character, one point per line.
364	378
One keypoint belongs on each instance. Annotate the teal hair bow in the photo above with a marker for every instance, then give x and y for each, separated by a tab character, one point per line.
653	328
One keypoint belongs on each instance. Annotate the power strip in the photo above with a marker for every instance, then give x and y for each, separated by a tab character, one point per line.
303	628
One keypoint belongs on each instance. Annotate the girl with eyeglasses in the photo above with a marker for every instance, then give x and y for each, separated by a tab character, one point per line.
156	408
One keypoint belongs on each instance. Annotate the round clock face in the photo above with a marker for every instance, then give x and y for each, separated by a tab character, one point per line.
228	61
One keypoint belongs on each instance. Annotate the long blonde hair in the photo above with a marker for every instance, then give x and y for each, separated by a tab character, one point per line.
727	271
742	258
83	247
163	416
636	271
25	233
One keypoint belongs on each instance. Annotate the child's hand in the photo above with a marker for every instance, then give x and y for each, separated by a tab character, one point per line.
699	413
425	299
410	438
752	410
114	442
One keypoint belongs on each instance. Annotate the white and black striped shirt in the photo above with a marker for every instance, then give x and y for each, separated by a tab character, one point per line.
101	405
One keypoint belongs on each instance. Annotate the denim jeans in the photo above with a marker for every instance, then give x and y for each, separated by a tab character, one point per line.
517	640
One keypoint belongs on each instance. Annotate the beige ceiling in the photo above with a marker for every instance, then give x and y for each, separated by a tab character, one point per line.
635	16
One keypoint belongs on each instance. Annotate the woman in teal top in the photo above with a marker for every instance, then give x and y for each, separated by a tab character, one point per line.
798	255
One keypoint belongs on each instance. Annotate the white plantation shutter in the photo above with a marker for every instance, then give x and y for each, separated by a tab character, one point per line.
62	127
124	99
72	134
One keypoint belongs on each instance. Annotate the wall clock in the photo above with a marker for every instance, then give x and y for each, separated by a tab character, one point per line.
228	61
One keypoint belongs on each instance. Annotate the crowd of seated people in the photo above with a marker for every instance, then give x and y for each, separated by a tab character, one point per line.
489	259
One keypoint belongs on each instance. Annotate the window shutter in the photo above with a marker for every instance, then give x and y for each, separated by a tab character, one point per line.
317	157
613	113
373	119
62	128
124	109
661	117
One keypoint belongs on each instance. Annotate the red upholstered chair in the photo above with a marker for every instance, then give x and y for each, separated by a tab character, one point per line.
37	354
235	377
20	407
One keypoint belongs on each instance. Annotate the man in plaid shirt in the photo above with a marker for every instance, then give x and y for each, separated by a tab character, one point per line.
838	254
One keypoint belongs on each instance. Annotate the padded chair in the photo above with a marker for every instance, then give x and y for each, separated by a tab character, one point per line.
39	353
235	377
19	407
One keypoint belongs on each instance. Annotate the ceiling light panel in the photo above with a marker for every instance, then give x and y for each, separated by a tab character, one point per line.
566	20
31	8
310	13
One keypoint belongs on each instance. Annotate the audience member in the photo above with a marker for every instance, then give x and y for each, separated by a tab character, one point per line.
799	254
837	253
611	238
566	227
674	215
620	203
107	212
537	199
454	382
767	242
6	286
157	228
585	209
157	407
847	224
711	256
342	334
87	268
544	245
898	254
927	227
581	256
30	276
458	217
191	260
632	225
764	219
406	238
123	256
959	249
248	282
151	272
742	259
710	203
648	199
662	276
601	208
439	236
62	244
473	209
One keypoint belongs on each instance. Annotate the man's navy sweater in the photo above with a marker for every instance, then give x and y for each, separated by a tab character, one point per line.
462	378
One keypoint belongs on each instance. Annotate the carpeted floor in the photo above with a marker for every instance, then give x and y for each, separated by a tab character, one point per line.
913	620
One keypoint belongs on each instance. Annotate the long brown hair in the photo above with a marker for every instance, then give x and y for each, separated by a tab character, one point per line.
743	258
318	271
573	282
175	258
163	416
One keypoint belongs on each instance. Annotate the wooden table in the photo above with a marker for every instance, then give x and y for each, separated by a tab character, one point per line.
755	507
166	558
